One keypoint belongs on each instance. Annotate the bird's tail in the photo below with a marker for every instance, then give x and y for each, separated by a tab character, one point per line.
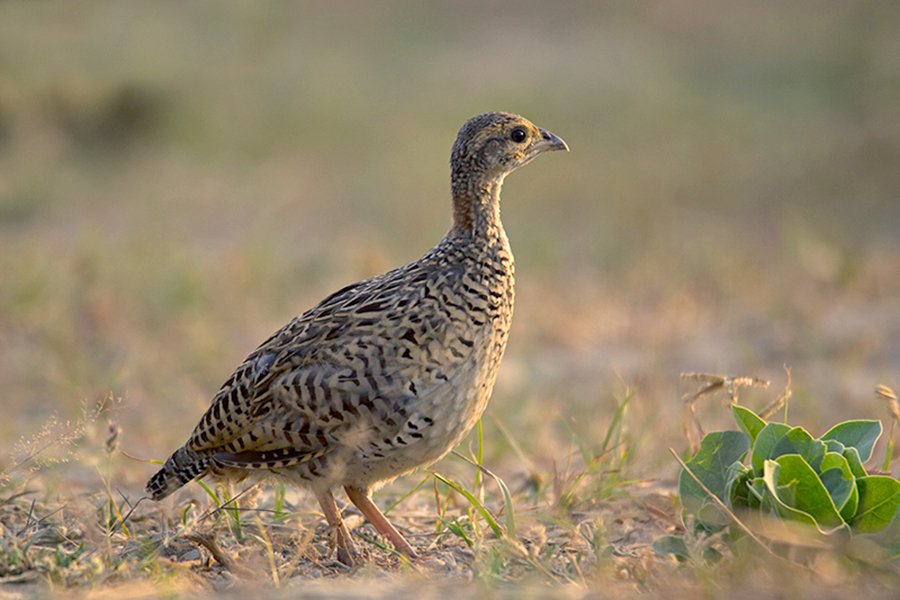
183	466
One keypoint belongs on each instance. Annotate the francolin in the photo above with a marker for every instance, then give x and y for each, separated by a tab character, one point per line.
384	375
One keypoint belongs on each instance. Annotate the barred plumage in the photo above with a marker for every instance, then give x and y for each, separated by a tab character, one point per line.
384	375
183	466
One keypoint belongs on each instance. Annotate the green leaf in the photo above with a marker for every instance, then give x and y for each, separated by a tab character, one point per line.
762	499
771	472
765	441
748	421
856	466
841	484
799	441
672	544
758	490
879	497
737	485
861	434
834	446
851	507
800	494
717	452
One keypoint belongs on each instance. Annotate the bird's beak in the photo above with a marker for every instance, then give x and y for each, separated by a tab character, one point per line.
550	141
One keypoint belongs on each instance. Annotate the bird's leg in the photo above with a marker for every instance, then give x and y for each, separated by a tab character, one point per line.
365	505
346	553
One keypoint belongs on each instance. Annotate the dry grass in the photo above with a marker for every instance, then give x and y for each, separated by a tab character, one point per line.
176	182
583	527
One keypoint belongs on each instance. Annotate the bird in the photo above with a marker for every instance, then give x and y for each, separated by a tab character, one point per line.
385	375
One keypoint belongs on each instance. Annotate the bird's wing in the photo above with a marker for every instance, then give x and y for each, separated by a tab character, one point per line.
352	363
306	411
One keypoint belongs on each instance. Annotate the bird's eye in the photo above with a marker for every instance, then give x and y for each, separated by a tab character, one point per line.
518	135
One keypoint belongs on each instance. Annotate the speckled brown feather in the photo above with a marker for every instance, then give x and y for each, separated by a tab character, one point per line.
386	374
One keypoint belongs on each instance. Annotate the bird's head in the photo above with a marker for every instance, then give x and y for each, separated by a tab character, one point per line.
492	145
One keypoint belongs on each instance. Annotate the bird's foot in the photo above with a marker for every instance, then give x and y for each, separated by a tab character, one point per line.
368	508
346	551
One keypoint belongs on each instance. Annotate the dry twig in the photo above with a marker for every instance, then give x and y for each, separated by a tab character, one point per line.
710	384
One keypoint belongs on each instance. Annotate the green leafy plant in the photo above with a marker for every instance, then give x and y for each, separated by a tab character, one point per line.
783	471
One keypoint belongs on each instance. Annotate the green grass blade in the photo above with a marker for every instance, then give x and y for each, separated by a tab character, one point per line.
406	495
888	455
209	491
457	529
504	490
279	501
479	460
510	519
476	504
615	426
233	511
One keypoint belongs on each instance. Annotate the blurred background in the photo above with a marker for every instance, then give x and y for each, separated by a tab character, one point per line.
178	180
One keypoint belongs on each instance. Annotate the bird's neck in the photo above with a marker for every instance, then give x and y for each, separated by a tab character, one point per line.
476	210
